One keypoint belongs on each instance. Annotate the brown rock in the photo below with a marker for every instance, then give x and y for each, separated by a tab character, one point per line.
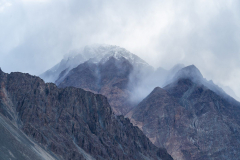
190	121
70	122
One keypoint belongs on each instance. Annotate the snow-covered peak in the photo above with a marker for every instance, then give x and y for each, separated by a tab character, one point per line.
102	53
95	51
95	54
118	53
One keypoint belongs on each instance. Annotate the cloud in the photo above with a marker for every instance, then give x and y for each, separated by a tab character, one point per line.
35	34
4	4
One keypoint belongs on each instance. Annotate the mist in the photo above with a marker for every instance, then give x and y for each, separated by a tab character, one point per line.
36	34
142	83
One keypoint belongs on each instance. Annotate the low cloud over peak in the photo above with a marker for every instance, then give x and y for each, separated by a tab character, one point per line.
35	35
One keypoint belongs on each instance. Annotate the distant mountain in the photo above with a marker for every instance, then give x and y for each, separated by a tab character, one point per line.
115	74
124	78
100	69
191	117
45	122
191	72
96	53
110	79
66	64
171	73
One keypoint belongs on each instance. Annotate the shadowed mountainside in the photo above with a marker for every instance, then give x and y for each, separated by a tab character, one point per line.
110	79
71	123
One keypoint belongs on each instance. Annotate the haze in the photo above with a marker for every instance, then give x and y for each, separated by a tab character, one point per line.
36	34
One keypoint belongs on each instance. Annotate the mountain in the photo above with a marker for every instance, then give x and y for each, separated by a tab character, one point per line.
189	119
110	79
100	69
73	60
46	122
191	72
96	53
66	64
169	74
115	74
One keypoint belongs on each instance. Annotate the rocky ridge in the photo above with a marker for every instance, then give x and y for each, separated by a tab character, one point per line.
121	76
190	120
71	123
112	71
95	54
110	79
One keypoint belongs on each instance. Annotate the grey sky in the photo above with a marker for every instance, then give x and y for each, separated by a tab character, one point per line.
35	34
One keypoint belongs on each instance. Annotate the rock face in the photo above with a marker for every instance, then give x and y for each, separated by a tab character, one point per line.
110	79
190	120
105	69
124	78
71	123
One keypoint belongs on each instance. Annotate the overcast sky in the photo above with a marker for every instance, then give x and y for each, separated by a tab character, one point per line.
35	34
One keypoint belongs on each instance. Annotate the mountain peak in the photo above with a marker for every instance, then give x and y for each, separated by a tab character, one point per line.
191	67
97	50
96	54
119	53
190	72
102	53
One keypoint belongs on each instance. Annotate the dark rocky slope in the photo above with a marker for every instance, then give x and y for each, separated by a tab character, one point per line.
124	84
190	120
71	123
110	79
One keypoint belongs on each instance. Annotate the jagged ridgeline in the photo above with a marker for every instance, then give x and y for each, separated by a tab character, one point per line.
105	69
41	121
124	78
193	118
